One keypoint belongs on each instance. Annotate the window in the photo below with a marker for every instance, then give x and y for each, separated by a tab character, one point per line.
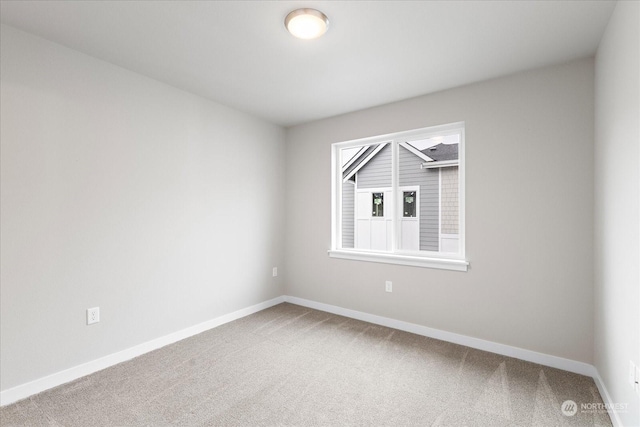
409	200
400	198
378	205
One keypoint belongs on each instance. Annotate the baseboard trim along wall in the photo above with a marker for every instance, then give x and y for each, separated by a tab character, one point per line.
606	398
25	390
505	350
29	389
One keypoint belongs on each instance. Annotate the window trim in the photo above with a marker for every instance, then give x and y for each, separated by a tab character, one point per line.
428	259
411	189
375	213
400	259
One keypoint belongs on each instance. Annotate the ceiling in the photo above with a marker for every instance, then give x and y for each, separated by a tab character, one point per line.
238	53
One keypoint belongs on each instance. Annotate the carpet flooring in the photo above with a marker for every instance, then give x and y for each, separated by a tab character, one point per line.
293	366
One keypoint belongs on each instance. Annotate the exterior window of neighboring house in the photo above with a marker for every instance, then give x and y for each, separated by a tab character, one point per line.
409	200
400	198
378	205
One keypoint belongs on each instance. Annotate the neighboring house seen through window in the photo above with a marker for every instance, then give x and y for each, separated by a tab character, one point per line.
400	198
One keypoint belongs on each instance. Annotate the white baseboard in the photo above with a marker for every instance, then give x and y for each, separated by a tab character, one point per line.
25	390
505	350
606	398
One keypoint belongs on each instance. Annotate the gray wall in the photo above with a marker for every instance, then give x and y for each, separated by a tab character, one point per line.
127	194
617	207
529	234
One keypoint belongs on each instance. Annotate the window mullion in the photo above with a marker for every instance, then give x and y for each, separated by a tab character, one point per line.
405	218
395	185
336	199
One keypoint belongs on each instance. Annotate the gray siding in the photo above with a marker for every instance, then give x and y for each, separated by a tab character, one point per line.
410	173
376	173
348	213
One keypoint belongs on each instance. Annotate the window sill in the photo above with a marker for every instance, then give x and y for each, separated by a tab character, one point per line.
414	261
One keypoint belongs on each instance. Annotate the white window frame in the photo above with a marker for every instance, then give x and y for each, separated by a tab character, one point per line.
430	259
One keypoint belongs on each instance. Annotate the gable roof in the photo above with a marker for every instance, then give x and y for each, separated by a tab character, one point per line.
361	159
442	152
437	153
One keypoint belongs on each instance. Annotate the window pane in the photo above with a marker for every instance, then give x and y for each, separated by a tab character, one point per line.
377	205
409	204
366	184
428	167
400	192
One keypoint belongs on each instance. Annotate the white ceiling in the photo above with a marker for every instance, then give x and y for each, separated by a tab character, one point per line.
238	53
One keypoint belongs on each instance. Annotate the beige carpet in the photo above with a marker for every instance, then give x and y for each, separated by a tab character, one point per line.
289	365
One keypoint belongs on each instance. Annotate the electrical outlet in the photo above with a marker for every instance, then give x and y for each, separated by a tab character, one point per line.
388	286
275	271
93	315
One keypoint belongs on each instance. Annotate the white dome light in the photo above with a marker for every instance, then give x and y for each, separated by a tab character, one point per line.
306	23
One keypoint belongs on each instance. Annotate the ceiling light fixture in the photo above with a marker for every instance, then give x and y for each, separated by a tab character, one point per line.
306	23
